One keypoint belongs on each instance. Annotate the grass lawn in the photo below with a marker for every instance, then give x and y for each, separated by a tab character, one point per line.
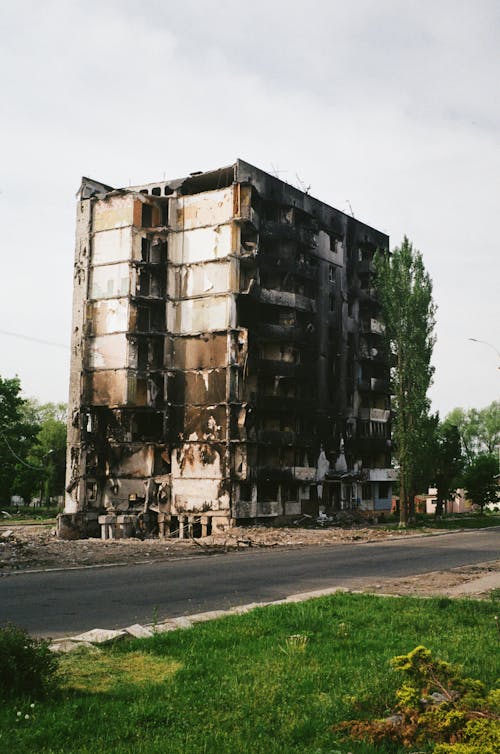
462	521
242	684
458	521
25	515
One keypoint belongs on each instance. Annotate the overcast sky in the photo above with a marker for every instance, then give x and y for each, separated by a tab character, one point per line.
391	107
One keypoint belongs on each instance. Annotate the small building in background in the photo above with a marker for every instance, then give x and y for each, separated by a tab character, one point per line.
457	504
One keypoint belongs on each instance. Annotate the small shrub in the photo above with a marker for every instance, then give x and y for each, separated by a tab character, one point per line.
27	666
436	704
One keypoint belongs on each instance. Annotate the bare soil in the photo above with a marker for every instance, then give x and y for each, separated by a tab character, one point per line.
28	548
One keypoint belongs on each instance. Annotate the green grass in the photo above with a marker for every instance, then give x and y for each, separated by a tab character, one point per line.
242	684
462	521
24	515
458	521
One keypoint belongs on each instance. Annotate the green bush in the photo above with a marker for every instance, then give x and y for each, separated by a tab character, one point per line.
27	666
436	704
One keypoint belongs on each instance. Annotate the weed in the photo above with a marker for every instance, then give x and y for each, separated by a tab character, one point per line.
295	644
154	621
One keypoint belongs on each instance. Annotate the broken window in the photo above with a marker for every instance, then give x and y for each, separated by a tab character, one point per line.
366	491
147	215
142	355
289	493
245	491
147	425
164	213
267	492
91	492
383	490
143	319
145	247
143	283
156	354
249	237
157	253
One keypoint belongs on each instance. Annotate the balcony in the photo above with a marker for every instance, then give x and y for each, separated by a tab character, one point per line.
380	475
256	509
277	437
373	354
276	262
375	414
372	443
248	215
372	326
282	333
369	295
284	298
283	403
305	236
304	473
366	266
284	474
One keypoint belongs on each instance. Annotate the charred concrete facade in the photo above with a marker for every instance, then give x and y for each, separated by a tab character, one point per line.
227	358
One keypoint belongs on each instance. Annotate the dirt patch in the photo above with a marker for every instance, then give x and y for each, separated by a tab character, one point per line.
33	547
478	581
25	548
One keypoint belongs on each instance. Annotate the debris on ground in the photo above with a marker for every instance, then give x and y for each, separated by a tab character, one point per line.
35	547
27	548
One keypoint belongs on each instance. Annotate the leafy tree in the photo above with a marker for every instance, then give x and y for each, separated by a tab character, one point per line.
479	428
481	480
44	471
448	463
405	291
425	455
16	434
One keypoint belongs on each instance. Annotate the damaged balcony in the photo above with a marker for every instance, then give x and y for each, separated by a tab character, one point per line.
372	351
371	326
375	414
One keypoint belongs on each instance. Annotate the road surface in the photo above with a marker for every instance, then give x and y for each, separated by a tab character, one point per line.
60	603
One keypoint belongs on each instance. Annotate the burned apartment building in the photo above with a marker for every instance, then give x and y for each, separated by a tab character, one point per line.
228	361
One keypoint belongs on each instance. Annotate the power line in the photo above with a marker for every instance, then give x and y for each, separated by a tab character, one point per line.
36	468
35	340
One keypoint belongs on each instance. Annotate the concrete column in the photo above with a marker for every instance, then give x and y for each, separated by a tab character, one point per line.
108	526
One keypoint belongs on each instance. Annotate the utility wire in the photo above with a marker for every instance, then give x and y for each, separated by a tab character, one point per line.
36	468
35	340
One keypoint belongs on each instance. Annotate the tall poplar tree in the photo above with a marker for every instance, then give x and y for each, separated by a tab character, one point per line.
405	293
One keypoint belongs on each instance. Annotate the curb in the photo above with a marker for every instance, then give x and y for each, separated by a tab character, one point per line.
95	636
137	631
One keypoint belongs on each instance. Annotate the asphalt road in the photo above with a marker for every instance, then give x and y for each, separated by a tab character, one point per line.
60	603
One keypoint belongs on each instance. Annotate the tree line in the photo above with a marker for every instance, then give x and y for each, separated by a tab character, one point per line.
456	452
32	446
